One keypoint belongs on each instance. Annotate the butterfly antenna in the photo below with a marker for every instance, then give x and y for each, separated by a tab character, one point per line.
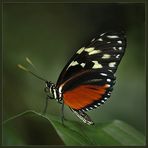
30	62
27	70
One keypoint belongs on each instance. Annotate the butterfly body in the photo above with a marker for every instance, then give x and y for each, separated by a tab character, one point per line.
87	80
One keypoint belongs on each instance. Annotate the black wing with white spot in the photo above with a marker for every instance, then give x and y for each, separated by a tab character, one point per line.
103	53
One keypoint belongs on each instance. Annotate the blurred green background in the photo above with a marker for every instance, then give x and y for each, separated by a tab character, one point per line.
49	34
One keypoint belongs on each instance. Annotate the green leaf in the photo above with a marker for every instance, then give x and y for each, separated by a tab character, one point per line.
112	133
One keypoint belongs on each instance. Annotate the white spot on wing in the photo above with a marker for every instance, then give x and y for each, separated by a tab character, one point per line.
96	65
108	85
120	42
103	74
108	94
92	39
106	56
110	70
114	48
102	34
112	36
73	64
89	49
120	48
105	98
102	101
117	56
80	50
90	108
100	39
94	52
112	64
108	80
82	64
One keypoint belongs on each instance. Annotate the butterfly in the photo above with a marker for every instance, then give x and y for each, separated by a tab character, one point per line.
87	80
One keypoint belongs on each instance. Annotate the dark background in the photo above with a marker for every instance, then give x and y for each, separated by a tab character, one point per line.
49	34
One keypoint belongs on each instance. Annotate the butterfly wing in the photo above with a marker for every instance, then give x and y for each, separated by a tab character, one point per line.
88	78
107	48
83	116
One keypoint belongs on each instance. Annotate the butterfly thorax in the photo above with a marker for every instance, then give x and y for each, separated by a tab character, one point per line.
50	89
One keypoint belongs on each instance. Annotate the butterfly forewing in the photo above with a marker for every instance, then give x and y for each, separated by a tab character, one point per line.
104	52
87	80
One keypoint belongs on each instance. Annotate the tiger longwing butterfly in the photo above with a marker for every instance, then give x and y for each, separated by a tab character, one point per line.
87	80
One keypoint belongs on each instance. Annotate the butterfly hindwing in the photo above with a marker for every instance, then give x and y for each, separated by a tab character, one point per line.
83	116
87	88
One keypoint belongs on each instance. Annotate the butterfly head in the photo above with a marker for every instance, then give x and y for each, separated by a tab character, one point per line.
51	90
49	86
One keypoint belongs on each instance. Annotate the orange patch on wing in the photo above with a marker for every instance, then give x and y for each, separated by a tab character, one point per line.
83	95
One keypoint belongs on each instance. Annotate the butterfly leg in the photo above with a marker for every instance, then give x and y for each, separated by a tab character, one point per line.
60	100
62	117
46	103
